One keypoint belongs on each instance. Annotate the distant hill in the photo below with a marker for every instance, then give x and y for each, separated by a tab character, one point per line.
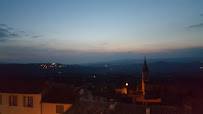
140	61
157	67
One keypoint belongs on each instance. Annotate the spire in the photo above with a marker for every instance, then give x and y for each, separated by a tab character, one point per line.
145	60
145	68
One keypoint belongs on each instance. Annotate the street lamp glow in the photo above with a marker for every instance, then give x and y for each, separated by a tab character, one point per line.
126	84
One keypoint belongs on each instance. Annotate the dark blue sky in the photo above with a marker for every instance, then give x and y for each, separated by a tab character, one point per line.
78	31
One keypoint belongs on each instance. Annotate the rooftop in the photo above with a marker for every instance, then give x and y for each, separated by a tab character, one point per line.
21	87
59	95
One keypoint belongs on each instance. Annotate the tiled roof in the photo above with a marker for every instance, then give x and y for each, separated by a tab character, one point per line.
59	95
85	107
21	87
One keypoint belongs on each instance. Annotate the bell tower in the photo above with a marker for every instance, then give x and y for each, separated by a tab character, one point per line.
145	75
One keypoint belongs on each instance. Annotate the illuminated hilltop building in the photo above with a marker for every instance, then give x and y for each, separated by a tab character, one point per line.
53	65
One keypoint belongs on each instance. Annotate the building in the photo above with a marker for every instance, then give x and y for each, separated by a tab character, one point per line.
148	95
145	94
20	99
57	100
90	107
34	98
20	103
145	75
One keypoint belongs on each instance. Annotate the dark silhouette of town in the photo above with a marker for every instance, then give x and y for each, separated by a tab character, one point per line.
156	87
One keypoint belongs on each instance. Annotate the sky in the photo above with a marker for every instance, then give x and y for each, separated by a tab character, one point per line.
82	31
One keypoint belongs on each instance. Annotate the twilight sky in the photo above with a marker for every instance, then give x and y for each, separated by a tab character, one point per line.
81	31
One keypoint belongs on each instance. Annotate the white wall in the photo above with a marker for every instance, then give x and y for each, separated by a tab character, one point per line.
50	108
20	109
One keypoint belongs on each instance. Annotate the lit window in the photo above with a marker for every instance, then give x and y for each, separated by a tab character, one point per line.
13	100
0	99
59	109
28	101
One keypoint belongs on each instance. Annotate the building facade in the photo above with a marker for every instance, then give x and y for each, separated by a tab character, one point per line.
54	108
12	103
34	98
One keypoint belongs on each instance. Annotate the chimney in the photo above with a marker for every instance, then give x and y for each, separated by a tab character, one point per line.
147	110
112	104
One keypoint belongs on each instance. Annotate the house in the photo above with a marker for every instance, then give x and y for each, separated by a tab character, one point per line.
34	98
57	100
16	98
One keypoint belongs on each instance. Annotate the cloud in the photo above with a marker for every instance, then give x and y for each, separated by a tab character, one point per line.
3	25
2	40
7	33
35	36
4	33
14	35
196	26
22	31
200	25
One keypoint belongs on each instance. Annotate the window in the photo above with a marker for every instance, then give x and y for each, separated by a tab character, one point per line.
28	101
59	109
0	100
13	100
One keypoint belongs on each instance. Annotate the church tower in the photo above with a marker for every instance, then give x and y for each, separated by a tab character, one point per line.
145	76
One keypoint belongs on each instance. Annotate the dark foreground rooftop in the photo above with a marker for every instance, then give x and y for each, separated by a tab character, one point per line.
59	95
87	107
21	87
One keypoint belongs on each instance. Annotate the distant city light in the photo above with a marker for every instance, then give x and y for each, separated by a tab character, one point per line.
45	67
53	64
105	65
201	67
126	84
94	76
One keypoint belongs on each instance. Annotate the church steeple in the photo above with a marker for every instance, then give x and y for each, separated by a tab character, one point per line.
145	71
145	68
145	75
